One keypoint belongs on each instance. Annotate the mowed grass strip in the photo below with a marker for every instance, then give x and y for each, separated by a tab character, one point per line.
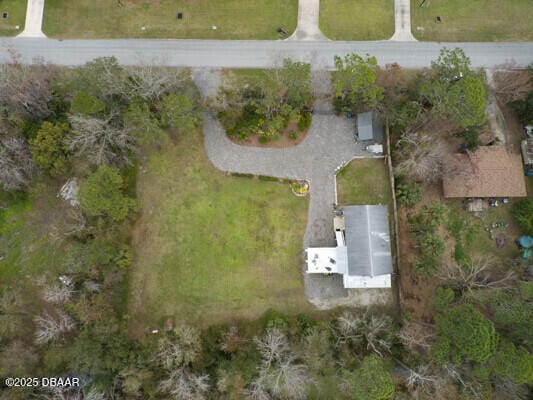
357	19
16	15
210	248
472	21
364	181
233	19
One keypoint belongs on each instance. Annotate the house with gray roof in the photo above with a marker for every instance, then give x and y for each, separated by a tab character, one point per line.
363	253
370	127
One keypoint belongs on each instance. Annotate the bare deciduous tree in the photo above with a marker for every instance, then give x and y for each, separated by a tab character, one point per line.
51	329
424	158
512	84
180	349
280	377
185	385
273	346
57	294
151	81
25	91
415	336
101	141
478	273
232	340
16	165
377	331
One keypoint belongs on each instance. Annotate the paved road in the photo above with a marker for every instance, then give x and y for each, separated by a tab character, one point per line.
34	19
402	21
255	54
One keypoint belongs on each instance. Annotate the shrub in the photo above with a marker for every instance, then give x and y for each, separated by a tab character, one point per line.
444	296
293	135
407	195
471	139
267	178
263	139
522	213
103	195
83	103
304	122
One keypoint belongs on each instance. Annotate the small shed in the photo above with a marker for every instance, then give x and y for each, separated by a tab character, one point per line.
370	126
527	151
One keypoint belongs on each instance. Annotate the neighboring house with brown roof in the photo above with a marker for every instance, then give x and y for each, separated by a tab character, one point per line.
490	171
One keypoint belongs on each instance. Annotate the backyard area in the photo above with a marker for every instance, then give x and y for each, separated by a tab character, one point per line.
363	181
221	247
357	20
12	13
476	20
213	19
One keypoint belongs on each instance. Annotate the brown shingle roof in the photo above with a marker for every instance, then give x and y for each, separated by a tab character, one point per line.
489	172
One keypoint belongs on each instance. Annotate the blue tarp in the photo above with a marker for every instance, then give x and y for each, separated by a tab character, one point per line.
526	242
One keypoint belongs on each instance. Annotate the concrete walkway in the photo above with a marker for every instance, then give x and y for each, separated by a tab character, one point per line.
307	28
402	21
34	20
329	143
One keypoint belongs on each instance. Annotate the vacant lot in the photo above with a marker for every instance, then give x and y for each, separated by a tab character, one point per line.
363	181
357	20
233	19
475	20
209	247
29	245
16	15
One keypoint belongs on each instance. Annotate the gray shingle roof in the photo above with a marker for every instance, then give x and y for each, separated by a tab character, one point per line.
368	240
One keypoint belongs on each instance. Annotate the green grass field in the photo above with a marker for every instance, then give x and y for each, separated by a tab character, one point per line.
27	225
363	181
474	20
16	15
234	19
211	248
357	19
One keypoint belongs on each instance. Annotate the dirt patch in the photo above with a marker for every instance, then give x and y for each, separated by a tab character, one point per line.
282	142
416	291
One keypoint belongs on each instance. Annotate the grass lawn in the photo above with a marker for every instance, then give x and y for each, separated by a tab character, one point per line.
474	20
27	245
234	19
474	237
16	15
210	248
363	181
357	19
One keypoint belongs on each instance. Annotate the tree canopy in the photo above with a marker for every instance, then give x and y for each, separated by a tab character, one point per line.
371	381
355	85
102	195
464	334
456	91
47	148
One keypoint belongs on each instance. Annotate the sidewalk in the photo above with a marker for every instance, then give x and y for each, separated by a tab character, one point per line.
34	19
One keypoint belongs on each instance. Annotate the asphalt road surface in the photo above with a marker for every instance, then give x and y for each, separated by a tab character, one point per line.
253	54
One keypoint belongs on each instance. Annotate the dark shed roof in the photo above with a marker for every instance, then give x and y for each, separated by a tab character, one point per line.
368	240
370	126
